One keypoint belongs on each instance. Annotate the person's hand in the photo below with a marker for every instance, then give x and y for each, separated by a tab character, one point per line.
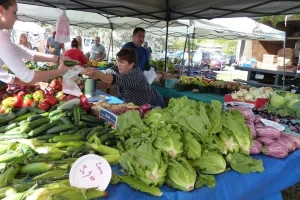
62	68
63	58
90	72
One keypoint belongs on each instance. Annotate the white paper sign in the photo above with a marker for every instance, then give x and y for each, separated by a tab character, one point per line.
90	171
276	125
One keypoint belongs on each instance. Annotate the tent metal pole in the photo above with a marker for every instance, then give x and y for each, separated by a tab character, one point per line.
184	50
112	44
283	74
167	35
189	60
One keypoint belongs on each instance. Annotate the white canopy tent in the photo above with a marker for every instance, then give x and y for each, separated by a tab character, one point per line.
229	29
31	13
177	9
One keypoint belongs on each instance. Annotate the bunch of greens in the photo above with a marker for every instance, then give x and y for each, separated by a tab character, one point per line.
183	145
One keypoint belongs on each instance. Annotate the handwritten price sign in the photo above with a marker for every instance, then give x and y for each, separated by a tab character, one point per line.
90	171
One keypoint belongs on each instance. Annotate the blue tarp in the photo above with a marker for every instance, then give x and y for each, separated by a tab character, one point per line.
278	175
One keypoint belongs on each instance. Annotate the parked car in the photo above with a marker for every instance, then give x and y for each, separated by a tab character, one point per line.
230	59
177	56
217	62
201	59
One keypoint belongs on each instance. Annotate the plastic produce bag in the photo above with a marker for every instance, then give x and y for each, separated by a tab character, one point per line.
69	86
150	75
62	29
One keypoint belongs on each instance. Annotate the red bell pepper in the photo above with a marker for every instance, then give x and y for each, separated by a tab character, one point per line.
34	104
86	106
22	94
38	95
43	106
50	100
56	84
83	99
27	102
69	97
15	101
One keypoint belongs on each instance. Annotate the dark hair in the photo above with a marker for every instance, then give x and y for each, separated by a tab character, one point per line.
138	29
8	3
74	43
128	55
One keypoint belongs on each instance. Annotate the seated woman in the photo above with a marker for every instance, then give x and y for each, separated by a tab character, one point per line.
131	83
23	41
76	54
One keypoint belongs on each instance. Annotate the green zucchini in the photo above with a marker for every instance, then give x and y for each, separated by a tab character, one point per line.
23	117
21	112
53	108
65	120
55	112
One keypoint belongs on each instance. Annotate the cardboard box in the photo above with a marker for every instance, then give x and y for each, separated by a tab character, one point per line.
269	60
289	53
258	104
280	61
109	117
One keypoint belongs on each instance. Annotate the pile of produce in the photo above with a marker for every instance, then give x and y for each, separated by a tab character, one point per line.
268	140
119	109
252	94
41	148
284	104
94	63
230	85
44	98
183	146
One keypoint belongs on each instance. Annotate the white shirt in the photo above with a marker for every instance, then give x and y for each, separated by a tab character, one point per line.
11	54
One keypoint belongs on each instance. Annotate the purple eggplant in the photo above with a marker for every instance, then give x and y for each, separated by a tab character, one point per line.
256	147
286	142
293	139
257	119
265	141
268	132
275	150
259	125
250	125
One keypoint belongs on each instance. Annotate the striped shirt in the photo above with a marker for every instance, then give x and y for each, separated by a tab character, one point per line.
133	87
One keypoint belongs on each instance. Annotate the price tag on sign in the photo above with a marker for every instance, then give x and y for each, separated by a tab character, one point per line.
90	171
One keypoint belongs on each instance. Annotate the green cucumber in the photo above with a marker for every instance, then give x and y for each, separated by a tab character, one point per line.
8	118
60	128
34	124
91	119
21	112
65	120
76	115
36	110
23	117
53	108
70	63
108	136
35	117
55	112
8	127
42	129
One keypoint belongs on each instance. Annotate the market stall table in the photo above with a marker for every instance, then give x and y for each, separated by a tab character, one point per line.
173	93
278	175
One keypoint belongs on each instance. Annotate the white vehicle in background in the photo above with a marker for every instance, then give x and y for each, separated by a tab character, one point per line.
87	44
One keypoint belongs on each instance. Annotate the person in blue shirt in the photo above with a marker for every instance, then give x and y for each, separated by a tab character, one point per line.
148	49
138	37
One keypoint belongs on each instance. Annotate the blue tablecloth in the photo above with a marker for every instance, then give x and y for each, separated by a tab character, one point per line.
110	99
278	175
